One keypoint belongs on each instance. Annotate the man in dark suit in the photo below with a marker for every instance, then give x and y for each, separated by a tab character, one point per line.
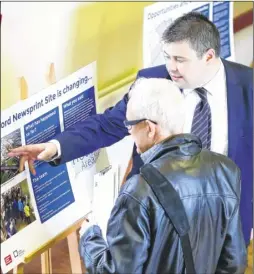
218	96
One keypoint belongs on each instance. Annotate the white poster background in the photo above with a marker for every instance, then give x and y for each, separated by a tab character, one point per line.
159	15
36	234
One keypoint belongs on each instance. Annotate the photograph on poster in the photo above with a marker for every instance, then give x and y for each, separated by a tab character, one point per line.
9	165
17	210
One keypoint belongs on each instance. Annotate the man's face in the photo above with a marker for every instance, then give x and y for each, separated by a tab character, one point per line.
183	65
141	134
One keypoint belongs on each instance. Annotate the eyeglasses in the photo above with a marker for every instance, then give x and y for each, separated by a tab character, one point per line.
130	123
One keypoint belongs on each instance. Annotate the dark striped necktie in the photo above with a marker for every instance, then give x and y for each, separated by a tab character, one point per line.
201	123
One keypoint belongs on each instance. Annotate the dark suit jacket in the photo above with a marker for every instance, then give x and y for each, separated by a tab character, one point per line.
105	129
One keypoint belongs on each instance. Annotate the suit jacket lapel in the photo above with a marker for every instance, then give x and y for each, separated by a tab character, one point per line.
235	103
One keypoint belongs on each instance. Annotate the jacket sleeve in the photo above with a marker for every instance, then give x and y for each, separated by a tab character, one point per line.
233	258
97	131
128	240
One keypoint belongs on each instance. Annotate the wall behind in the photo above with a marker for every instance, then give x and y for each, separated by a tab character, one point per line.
33	35
244	46
72	34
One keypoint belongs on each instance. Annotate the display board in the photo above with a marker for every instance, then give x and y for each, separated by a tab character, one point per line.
36	208
160	15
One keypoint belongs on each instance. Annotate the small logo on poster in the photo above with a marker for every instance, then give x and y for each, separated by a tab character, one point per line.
18	253
8	259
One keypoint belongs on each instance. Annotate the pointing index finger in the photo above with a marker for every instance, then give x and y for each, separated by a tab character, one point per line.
27	149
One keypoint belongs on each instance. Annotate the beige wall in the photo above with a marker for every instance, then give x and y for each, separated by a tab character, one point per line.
244	46
71	35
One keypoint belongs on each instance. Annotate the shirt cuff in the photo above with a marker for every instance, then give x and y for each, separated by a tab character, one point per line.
58	154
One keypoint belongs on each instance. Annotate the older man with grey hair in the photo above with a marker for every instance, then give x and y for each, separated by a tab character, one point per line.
141	236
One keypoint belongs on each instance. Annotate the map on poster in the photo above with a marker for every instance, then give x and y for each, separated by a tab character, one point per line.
36	208
160	15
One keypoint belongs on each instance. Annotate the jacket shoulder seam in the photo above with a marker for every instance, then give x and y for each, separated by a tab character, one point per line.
135	199
210	194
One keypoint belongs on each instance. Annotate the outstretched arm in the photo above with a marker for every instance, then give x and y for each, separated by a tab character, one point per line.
81	139
95	132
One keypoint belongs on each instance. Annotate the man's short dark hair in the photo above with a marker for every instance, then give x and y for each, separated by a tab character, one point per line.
196	29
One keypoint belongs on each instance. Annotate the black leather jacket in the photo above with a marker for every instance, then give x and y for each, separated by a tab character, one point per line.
140	237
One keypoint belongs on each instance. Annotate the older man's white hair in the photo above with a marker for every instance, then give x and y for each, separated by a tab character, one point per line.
159	100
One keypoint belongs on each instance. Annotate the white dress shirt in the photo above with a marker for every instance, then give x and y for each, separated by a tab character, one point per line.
217	99
58	147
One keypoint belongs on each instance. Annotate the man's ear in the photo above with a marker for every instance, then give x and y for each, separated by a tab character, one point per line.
209	55
152	129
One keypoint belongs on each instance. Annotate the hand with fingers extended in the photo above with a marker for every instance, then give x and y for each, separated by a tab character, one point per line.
30	153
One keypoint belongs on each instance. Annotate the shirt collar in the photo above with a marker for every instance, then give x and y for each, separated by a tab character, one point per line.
178	145
212	85
145	156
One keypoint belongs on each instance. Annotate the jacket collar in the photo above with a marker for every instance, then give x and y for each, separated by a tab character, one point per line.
230	72
178	145
236	102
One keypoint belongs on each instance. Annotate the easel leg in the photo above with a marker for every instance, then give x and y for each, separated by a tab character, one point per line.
23	88
74	254
18	269
46	263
